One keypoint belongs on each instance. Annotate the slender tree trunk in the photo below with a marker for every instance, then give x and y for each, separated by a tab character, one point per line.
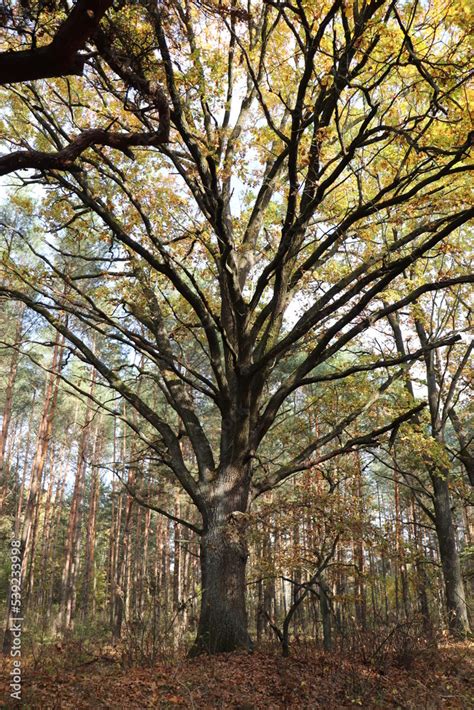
422	581
66	612
114	538
124	572
54	533
68	589
7	411
26	457
383	556
176	560
358	551
458	622
144	565
43	440
325	606
89	570
45	565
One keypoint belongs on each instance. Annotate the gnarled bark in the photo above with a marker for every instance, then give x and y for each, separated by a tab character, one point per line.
223	618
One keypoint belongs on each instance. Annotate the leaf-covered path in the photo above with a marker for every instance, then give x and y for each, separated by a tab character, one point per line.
260	681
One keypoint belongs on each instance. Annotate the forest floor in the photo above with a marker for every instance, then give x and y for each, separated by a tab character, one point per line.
432	678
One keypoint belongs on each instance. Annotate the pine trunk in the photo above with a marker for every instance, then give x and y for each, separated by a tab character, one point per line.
7	411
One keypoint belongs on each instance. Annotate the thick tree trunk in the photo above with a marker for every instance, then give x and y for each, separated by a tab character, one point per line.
223	618
458	622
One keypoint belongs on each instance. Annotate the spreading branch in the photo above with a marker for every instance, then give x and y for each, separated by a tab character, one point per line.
62	56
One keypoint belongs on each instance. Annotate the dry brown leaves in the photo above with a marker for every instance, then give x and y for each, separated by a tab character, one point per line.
258	681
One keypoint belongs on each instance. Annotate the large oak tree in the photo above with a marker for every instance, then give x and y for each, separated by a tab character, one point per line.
290	162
